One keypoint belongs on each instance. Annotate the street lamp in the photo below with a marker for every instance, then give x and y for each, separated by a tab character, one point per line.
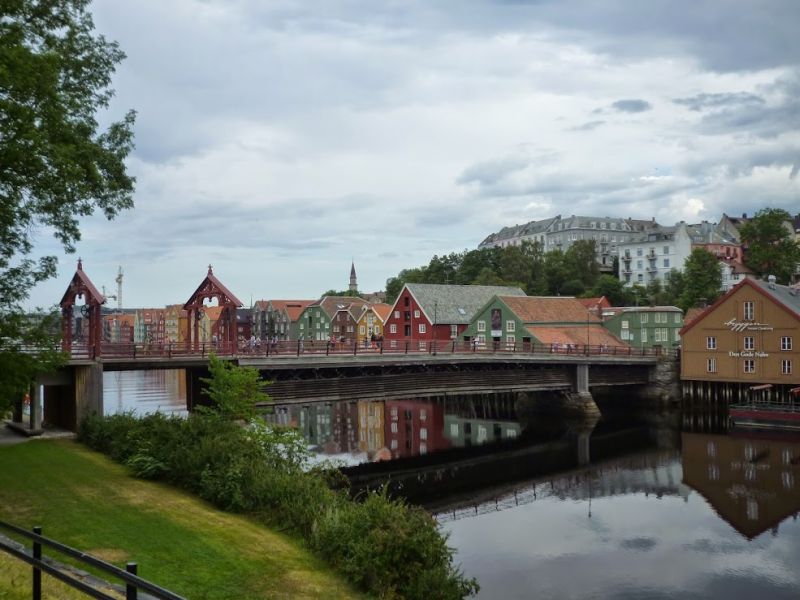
435	307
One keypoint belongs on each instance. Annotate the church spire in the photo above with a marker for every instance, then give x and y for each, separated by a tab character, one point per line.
353	287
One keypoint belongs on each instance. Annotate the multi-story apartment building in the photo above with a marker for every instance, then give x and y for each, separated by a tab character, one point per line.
560	233
651	256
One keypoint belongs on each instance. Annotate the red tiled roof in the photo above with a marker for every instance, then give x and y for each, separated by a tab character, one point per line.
539	309
595	303
383	310
692	314
575	335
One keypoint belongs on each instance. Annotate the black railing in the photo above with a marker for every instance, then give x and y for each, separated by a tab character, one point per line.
133	583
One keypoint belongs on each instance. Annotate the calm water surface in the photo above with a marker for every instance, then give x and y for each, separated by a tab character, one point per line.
540	508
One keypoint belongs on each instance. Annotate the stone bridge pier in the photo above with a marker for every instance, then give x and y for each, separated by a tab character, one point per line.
579	401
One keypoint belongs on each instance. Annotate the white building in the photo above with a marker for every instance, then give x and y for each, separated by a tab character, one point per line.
560	233
652	255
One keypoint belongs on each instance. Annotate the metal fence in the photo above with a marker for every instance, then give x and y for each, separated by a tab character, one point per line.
132	582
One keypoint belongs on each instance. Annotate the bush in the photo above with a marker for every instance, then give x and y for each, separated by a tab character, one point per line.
384	546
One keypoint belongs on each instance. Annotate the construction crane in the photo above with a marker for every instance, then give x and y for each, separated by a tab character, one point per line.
118	296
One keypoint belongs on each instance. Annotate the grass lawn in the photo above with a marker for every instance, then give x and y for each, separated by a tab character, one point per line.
86	501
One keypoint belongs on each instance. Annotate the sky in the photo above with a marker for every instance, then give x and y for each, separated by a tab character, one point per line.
278	141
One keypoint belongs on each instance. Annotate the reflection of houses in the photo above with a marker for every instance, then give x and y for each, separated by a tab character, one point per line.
465	432
645	326
745	337
425	312
370	426
552	321
750	482
414	427
314	422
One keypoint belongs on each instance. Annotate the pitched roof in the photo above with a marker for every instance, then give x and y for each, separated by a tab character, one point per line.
595	303
787	297
576	335
383	310
81	279
212	279
615	310
549	309
692	314
332	304
455	304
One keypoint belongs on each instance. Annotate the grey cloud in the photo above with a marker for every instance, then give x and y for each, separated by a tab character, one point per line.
491	171
631	106
714	101
588	126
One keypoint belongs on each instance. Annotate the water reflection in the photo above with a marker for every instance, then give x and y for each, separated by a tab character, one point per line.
747	477
144	392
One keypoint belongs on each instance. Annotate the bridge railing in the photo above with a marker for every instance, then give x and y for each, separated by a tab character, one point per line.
176	350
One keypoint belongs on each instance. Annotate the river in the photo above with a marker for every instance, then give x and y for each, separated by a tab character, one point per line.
536	507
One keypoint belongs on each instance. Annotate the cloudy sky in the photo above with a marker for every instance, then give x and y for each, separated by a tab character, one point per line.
277	140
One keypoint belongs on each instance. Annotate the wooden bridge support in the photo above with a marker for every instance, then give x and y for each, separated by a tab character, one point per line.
88	381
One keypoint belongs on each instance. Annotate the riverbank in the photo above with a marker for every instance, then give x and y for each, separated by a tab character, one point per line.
87	501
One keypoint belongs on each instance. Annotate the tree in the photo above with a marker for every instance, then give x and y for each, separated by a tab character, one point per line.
57	165
233	390
582	259
702	279
769	243
612	288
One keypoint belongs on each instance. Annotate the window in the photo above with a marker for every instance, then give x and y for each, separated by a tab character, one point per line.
362	330
394	444
625	324
749	343
416	314
481	325
666	263
423	433
711	365
510	326
394	427
423	415
392	328
511	340
393	343
657	333
639	264
786	343
711	343
638	252
786	367
748	311
453	331
407	330
397	314
640	278
677	317
644	335
749	365
423	328
643	317
317	324
666	249
406	301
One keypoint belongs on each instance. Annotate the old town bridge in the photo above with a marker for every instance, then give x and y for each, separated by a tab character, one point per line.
324	371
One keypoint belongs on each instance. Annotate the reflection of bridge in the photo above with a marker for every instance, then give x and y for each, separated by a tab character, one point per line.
323	371
658	474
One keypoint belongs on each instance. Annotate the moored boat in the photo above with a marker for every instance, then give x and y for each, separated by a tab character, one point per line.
760	413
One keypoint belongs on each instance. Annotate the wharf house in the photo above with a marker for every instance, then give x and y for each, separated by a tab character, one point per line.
150	325
559	233
118	328
560	322
275	318
371	321
747	338
426	312
645	326
175	323
329	317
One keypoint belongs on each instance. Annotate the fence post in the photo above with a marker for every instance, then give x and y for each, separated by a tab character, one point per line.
355	346
406	346
130	589
36	584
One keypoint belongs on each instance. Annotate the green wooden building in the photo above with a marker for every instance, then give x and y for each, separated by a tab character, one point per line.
645	326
